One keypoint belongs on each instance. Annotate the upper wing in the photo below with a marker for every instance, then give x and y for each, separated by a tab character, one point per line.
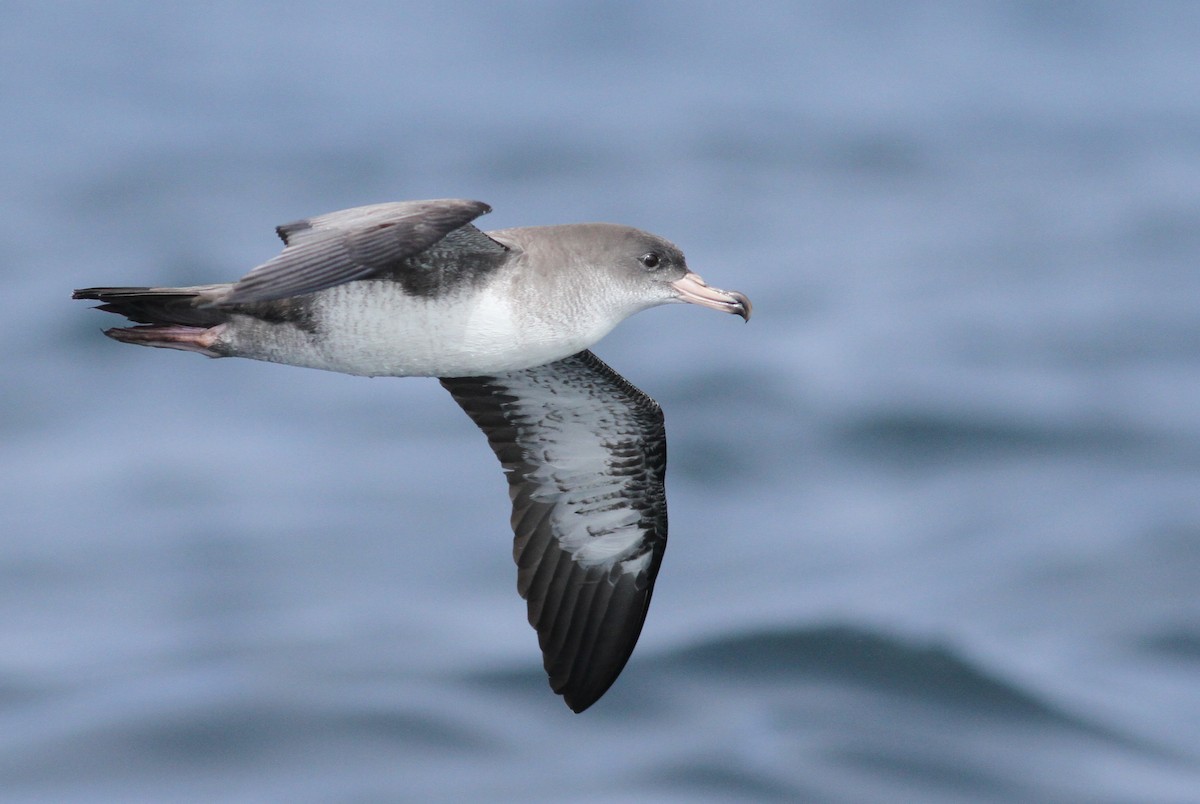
356	243
585	453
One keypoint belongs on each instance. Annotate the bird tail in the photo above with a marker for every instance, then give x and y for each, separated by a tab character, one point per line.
158	305
170	316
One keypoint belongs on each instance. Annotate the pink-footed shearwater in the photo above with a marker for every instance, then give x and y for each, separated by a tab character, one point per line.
504	320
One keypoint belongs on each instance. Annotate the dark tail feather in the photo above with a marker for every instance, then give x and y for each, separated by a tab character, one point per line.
160	306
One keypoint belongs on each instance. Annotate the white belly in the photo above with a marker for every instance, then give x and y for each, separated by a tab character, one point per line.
375	329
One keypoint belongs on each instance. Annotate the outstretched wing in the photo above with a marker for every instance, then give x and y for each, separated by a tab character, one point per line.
585	453
358	243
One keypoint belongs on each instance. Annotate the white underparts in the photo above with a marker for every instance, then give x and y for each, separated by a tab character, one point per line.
374	328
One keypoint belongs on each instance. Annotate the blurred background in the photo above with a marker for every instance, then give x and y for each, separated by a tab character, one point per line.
935	512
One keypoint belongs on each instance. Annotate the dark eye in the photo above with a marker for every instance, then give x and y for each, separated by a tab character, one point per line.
651	260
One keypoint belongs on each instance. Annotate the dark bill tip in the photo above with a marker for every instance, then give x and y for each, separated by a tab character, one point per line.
694	290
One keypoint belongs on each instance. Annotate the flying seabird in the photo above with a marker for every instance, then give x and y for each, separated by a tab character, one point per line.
504	319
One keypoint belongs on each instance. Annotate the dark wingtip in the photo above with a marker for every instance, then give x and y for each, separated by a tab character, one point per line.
583	695
468	210
578	706
286	230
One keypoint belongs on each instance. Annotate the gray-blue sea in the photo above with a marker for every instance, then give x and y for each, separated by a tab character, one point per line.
935	511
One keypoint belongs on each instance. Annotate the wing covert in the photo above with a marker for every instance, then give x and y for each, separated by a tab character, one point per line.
350	244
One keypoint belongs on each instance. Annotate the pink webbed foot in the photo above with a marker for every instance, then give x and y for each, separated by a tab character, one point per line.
202	340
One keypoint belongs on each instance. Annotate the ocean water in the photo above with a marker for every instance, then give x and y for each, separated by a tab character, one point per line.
935	512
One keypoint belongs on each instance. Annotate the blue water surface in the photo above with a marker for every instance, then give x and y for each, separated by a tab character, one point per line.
935	512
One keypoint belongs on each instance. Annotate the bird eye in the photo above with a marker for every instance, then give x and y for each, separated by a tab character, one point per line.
650	260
